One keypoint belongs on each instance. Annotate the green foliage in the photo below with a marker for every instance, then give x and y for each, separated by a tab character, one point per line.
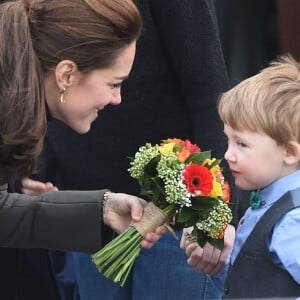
199	157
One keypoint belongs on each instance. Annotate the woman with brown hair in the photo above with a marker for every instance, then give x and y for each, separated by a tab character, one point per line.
66	60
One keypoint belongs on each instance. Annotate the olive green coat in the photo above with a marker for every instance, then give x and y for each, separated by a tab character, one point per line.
64	220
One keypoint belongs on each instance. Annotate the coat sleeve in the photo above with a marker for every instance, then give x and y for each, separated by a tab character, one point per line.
64	220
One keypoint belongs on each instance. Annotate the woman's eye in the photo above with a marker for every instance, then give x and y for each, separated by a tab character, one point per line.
116	85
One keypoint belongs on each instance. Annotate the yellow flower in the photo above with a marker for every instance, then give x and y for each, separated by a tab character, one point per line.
214	169
166	149
217	190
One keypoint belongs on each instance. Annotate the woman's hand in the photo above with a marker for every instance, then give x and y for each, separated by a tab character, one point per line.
208	260
33	187
120	210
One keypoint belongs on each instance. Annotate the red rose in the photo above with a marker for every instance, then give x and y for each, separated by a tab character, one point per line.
198	180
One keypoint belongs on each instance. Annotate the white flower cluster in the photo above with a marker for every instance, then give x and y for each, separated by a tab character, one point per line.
141	159
169	170
217	220
186	199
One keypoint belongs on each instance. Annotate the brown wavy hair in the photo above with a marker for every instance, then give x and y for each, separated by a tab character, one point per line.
35	36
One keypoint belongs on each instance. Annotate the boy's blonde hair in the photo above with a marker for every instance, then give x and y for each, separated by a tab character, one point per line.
268	102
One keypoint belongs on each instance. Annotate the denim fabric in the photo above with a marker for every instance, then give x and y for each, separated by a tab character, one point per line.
93	285
162	273
62	266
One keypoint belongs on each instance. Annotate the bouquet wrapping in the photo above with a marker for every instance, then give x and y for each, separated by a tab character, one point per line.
186	187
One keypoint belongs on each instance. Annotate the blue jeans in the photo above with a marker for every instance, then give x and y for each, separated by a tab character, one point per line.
92	285
63	273
162	273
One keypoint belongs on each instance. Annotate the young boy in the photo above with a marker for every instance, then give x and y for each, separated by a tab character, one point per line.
261	118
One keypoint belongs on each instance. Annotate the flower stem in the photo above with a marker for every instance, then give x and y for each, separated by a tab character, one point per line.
116	259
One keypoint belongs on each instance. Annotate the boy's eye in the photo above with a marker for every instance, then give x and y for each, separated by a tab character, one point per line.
240	144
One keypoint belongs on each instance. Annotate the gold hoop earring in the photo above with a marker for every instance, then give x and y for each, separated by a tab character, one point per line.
61	98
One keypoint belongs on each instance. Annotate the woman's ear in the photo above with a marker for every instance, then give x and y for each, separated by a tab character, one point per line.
292	153
65	73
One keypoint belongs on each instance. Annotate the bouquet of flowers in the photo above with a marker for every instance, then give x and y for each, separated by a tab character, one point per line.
186	188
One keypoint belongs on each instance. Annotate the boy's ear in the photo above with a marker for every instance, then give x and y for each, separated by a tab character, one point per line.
65	73
292	153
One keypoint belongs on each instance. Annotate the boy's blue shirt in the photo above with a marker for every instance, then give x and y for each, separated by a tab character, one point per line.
284	243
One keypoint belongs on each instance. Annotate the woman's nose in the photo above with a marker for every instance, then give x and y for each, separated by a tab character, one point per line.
116	98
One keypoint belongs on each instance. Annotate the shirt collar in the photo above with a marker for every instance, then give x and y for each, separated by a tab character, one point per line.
278	188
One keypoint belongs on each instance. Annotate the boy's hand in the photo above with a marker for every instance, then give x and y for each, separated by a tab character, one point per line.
208	260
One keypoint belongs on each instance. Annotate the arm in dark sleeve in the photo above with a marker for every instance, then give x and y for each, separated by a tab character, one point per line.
47	169
66	220
188	32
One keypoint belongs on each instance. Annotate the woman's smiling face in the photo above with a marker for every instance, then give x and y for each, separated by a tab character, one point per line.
90	93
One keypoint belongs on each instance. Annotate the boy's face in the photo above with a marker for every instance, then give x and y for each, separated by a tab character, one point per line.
255	159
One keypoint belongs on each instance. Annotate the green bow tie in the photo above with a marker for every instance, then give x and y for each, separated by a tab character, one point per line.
256	201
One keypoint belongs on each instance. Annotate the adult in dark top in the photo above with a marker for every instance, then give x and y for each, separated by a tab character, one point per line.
49	59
